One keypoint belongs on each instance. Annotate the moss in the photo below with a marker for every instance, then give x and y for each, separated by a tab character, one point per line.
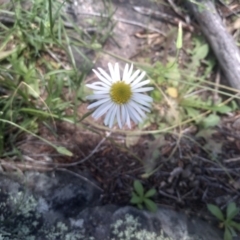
131	229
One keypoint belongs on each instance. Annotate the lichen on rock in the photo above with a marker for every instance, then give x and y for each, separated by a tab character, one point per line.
131	229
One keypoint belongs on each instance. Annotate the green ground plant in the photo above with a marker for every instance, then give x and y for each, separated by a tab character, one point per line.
227	222
185	92
141	198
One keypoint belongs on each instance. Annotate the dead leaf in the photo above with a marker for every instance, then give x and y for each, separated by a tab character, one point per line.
236	24
132	140
172	92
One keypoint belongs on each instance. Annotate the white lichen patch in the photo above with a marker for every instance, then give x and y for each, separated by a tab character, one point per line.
130	229
23	199
20	220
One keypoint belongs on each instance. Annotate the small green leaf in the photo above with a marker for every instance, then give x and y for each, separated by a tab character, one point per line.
138	188
151	206
227	234
211	121
232	231
157	96
216	211
64	151
135	199
201	52
232	210
192	112
42	29
150	193
234	225
222	109
96	46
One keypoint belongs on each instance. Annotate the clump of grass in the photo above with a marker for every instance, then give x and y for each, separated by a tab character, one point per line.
38	74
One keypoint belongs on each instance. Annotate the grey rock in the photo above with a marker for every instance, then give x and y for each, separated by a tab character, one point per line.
58	205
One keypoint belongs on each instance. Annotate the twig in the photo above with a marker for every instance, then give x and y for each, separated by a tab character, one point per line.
79	176
163	16
56	165
168	195
205	194
232	160
176	9
25	166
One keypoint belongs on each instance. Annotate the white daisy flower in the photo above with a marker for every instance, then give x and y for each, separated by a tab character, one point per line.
120	98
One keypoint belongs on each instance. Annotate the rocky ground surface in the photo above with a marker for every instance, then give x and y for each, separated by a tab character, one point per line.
60	205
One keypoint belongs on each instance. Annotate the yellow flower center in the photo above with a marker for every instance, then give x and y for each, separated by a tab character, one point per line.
120	92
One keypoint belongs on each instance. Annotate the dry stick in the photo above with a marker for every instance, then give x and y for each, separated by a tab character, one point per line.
176	9
56	165
168	195
24	167
53	166
80	176
164	17
219	39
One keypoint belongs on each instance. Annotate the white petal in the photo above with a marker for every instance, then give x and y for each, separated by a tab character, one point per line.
135	113
125	116
139	96
101	84
123	111
101	92
96	87
131	115
130	72
105	75
101	110
108	115
144	103
97	96
103	79
131	78
146	109
125	73
139	78
119	120
111	70
137	108
116	73
112	118
140	84
128	120
143	89
93	105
